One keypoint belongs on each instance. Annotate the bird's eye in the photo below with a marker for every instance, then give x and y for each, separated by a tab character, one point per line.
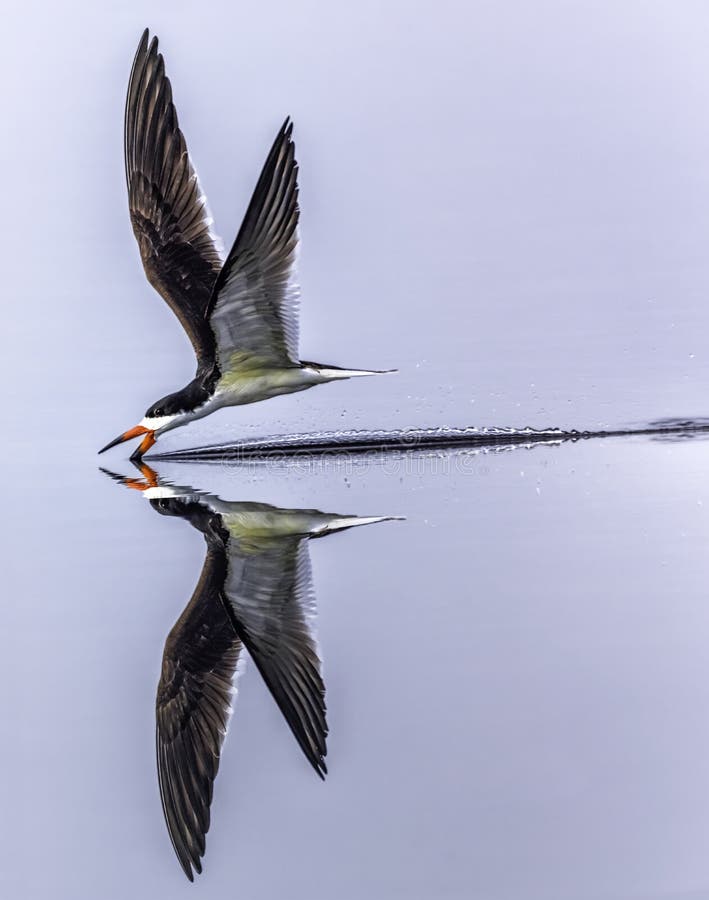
158	412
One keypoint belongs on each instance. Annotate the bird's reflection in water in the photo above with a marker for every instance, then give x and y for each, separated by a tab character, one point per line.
255	591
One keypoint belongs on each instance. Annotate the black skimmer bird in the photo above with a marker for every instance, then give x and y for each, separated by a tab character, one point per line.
240	314
255	591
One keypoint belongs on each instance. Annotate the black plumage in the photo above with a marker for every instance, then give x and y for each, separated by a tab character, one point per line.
192	711
249	303
168	210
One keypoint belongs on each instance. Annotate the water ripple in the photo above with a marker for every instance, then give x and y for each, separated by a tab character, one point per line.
421	439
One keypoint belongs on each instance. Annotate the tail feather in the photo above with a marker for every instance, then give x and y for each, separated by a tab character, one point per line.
334	372
343	522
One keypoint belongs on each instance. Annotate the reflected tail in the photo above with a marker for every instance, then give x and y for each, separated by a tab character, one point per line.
342	523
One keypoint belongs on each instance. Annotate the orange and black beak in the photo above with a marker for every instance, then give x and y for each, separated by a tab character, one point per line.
150	478
144	446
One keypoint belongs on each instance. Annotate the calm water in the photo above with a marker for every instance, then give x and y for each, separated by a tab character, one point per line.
511	206
517	682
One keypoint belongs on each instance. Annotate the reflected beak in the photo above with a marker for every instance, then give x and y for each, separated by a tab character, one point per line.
145	444
150	478
149	474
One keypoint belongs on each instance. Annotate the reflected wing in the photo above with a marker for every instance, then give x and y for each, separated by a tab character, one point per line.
192	711
168	210
253	311
268	590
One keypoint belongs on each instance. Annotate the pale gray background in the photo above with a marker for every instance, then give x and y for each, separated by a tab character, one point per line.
509	203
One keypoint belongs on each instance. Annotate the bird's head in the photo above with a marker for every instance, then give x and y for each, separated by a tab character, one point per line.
180	501
188	507
160	417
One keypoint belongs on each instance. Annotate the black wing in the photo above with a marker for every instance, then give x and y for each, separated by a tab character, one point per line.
168	210
192	711
269	595
253	311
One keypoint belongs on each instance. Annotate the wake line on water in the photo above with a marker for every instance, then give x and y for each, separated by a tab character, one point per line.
411	440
